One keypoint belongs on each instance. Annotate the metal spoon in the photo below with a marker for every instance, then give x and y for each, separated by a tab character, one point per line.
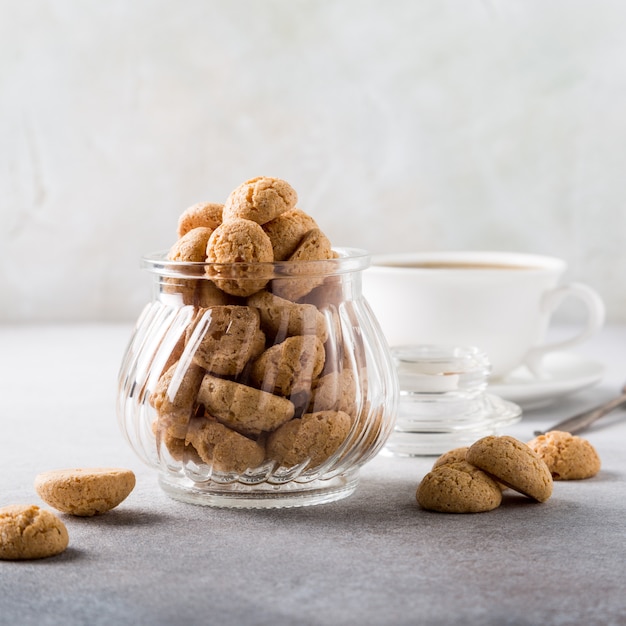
580	421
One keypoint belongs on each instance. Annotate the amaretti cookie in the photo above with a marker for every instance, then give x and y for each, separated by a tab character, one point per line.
224	449
191	247
85	491
207	294
260	199
567	456
513	463
242	241
243	408
314	436
176	447
458	487
208	214
28	532
314	246
287	230
175	397
283	318
455	455
225	338
335	391
289	368
451	456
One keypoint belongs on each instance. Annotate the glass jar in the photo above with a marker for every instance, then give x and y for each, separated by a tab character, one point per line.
257	385
444	401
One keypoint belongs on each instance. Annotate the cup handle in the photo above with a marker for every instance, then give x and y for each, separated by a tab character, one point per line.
550	302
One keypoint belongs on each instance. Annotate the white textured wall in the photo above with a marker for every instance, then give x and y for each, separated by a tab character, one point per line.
403	125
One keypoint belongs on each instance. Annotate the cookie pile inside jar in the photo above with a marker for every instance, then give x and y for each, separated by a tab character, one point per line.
258	376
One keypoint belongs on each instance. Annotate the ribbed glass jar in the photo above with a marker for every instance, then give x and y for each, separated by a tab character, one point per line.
257	385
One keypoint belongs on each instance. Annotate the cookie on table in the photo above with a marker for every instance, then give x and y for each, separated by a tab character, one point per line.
85	491
458	487
451	456
28	532
260	199
314	436
207	214
227	337
289	368
454	455
280	317
512	463
287	230
243	408
224	449
567	456
241	241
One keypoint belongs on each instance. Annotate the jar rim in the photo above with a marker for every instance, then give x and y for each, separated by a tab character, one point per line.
348	260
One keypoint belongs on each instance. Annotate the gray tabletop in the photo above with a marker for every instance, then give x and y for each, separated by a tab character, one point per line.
373	558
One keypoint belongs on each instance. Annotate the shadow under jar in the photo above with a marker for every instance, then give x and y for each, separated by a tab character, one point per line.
257	385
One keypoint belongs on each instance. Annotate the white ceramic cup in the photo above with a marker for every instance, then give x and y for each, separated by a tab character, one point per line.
499	302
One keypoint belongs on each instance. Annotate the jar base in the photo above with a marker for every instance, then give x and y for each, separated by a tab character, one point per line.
264	496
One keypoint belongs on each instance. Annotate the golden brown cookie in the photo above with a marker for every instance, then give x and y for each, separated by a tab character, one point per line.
451	456
239	241
513	463
567	456
208	294
260	199
226	338
191	246
458	487
314	436
28	532
289	368
454	455
330	293
207	214
225	449
175	397
245	409
176	446
314	246
85	492
287	230
283	318
336	391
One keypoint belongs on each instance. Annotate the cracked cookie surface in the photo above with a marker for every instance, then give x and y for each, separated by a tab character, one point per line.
245	409
85	491
512	463
567	456
287	230
458	487
28	532
207	214
314	436
260	199
240	241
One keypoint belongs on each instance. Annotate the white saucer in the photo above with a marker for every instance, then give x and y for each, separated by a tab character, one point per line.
564	373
